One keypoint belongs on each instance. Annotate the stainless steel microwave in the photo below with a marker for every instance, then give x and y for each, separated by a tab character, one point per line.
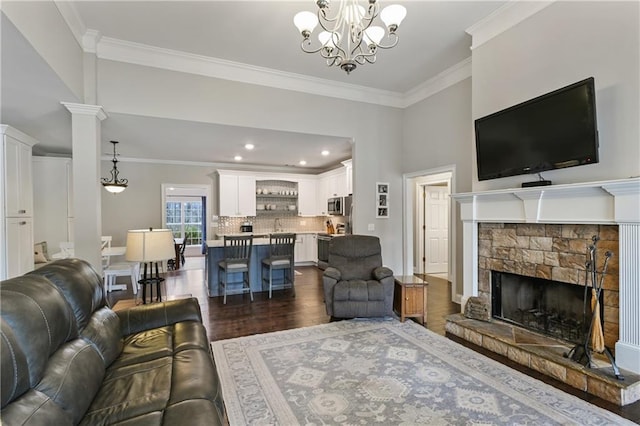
335	206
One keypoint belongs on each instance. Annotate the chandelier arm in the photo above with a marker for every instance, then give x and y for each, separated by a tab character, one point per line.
308	42
394	38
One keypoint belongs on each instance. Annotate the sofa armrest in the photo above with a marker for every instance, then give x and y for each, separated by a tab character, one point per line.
154	315
332	273
382	272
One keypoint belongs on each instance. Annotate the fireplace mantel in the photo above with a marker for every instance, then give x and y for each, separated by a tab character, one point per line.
606	202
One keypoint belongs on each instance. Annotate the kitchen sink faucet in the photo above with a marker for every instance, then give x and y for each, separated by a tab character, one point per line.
277	225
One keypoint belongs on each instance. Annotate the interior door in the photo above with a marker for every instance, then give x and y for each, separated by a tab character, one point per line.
436	241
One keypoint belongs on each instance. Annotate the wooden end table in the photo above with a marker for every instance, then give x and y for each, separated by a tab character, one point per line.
410	297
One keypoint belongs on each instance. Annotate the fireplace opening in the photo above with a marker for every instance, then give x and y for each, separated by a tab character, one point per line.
549	307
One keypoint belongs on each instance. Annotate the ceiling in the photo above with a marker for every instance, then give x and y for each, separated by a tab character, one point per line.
248	33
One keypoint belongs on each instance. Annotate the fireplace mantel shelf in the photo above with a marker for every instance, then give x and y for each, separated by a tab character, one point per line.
613	201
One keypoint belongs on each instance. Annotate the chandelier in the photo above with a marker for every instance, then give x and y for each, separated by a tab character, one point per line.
348	38
114	185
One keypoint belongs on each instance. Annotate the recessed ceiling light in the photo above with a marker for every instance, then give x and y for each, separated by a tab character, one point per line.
249	146
325	152
302	162
237	158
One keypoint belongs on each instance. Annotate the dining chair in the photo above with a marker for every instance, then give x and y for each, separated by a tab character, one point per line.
281	258
237	259
66	247
111	271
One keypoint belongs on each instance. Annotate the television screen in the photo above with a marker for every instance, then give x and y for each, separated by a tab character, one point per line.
552	131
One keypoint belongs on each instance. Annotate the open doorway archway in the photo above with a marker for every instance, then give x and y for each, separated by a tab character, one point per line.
427	204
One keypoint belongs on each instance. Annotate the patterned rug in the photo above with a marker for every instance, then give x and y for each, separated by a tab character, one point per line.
363	372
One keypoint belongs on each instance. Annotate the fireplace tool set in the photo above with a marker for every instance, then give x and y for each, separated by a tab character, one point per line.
594	339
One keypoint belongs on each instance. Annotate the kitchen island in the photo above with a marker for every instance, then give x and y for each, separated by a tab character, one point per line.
259	251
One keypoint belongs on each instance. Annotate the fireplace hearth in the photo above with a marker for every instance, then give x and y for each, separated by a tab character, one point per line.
553	308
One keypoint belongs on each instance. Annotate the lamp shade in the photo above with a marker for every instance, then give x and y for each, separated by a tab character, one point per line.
150	245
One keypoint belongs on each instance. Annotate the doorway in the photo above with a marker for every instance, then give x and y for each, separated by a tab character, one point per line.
433	229
184	211
429	237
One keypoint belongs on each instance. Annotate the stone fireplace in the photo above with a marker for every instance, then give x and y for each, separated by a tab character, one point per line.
551	253
542	233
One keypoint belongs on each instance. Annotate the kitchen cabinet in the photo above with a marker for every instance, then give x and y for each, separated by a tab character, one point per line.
236	194
334	183
19	255
306	249
52	201
16	213
307	198
18	175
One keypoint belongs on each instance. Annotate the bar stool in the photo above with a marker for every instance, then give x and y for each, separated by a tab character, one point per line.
237	259
281	249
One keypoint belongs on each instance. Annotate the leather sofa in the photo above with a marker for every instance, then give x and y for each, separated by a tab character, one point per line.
355	282
68	359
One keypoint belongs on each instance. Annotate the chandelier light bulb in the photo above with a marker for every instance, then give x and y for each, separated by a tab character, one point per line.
393	15
306	22
328	39
373	35
353	14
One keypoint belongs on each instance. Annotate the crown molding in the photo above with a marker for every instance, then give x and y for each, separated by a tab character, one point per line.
447	78
151	56
90	41
502	19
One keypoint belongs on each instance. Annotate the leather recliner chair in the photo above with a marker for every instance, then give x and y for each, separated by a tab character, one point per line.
355	282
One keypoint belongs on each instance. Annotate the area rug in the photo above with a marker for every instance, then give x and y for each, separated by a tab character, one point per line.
363	372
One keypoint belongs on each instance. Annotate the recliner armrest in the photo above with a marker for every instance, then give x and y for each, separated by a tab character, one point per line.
382	272
332	273
154	315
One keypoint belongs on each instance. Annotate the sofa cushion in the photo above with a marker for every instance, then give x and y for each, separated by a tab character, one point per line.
50	322
158	369
358	290
73	376
103	332
79	283
355	256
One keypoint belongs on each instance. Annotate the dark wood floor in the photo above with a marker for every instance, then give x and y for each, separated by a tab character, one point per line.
240	317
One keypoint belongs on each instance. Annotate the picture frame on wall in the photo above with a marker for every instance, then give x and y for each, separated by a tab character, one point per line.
382	200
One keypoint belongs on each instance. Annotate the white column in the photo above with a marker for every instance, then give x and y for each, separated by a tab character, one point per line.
628	345
87	202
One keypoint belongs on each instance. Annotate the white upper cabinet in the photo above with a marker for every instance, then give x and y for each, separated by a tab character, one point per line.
236	194
18	178
307	197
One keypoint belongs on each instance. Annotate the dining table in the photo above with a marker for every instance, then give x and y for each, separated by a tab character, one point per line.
107	251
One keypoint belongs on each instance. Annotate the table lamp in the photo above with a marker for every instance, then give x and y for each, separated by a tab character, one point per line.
150	246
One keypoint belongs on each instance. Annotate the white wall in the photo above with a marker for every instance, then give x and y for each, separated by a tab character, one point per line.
376	130
564	43
437	132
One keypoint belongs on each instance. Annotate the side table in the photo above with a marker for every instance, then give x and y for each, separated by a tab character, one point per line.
410	297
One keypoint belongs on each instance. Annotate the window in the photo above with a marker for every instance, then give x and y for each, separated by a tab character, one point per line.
184	218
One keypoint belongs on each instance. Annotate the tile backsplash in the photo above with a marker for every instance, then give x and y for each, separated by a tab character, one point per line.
230	225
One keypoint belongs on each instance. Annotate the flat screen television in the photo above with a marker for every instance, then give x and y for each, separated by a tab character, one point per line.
552	131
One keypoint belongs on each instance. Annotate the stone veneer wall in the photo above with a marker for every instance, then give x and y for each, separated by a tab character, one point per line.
555	252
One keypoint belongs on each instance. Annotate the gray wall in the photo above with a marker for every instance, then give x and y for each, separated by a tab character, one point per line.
140	205
564	43
438	132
